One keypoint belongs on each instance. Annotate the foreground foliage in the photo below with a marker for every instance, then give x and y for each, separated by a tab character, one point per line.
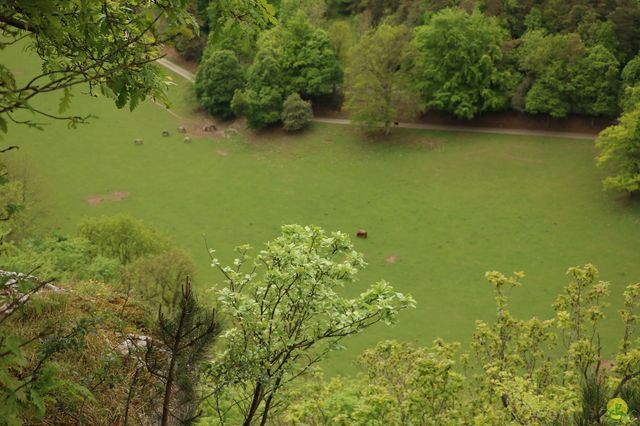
94	353
517	372
286	315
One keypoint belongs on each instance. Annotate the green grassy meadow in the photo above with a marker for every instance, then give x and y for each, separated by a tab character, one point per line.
449	206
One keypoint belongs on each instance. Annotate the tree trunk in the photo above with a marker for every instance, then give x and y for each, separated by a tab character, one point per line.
257	395
172	365
130	396
267	404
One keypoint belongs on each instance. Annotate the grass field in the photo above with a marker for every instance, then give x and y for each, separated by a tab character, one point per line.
448	206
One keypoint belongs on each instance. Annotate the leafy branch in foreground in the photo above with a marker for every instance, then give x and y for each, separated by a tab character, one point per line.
111	46
286	313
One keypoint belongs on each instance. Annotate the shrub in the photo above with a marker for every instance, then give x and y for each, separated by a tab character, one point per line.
66	258
122	237
159	278
296	113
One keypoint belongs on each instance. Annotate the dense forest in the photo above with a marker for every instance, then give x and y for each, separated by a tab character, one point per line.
391	59
121	337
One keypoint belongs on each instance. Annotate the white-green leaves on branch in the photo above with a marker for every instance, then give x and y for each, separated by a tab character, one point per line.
286	312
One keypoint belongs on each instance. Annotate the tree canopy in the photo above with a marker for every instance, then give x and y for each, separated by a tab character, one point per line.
377	89
458	63
287	314
310	65
597	82
518	371
219	76
261	100
619	149
293	58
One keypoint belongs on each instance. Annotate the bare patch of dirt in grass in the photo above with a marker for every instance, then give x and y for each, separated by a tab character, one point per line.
115	196
119	195
392	259
432	143
94	199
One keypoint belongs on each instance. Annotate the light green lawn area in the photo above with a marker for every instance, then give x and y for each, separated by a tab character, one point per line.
477	202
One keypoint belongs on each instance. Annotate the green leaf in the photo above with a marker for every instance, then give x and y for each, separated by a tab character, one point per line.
65	101
38	403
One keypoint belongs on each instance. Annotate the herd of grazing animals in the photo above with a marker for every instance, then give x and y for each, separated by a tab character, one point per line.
180	129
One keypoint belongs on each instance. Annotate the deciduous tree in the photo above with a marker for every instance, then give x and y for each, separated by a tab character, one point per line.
597	82
236	24
219	76
458	63
550	61
630	96
342	38
377	89
631	72
159	278
294	58
309	64
619	150
286	313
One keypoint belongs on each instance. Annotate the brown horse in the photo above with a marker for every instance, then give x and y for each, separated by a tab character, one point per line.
361	233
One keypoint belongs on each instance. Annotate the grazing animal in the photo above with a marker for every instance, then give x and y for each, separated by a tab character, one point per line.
187	139
165	133
182	129
210	128
361	233
138	141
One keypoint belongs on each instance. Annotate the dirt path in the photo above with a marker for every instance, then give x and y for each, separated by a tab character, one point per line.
177	69
469	129
448	128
